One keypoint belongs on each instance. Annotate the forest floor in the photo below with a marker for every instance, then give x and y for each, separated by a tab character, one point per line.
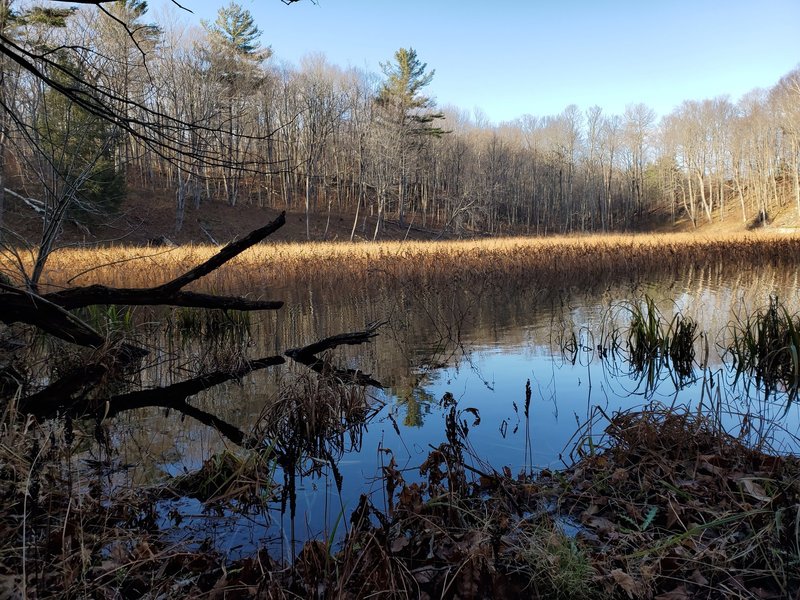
146	215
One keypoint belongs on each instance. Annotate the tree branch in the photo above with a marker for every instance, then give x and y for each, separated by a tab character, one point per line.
48	312
60	395
307	355
21	306
101	294
228	252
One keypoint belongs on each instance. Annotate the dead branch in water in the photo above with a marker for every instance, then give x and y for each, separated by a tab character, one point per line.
78	391
49	312
307	355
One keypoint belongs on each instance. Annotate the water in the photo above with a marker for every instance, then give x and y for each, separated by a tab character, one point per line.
479	347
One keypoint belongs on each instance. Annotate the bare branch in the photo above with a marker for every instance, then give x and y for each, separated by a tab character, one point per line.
101	294
48	312
228	252
61	395
307	355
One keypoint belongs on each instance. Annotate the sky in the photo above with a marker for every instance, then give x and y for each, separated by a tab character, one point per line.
503	58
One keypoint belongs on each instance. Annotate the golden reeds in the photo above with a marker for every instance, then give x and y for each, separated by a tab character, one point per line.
557	260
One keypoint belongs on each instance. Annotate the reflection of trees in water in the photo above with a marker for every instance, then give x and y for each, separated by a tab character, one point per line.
404	358
416	402
432	324
436	326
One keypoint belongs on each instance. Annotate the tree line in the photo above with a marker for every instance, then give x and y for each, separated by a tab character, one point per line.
99	97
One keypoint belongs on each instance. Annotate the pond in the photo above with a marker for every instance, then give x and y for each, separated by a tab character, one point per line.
528	374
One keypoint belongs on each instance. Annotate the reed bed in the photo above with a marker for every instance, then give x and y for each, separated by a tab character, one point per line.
559	260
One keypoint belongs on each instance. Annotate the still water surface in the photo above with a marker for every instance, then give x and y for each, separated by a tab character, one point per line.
480	346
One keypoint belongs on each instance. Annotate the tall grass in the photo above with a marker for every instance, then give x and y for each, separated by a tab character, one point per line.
766	344
639	340
561	260
655	341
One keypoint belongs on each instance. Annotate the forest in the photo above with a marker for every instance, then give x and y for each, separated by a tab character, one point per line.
94	103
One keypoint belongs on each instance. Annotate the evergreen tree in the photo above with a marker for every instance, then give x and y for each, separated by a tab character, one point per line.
11	22
131	13
79	148
235	34
407	119
400	95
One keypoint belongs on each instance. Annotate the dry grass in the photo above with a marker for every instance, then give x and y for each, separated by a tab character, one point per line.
675	505
566	260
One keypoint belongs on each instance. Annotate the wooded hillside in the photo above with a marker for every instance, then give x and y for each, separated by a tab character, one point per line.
204	115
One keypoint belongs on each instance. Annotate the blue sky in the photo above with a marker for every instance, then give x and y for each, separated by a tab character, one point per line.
509	58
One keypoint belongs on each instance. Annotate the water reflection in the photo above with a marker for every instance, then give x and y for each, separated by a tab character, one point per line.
536	365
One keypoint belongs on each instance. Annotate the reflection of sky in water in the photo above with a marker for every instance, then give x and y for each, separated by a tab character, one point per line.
505	349
565	396
492	380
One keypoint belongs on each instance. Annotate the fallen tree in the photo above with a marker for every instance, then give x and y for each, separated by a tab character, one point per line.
78	390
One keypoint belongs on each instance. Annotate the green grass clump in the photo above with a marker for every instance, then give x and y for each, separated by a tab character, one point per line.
766	344
558	567
654	344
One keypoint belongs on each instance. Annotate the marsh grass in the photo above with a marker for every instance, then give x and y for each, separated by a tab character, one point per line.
666	501
563	260
636	334
111	320
239	480
314	420
766	344
214	324
655	342
203	340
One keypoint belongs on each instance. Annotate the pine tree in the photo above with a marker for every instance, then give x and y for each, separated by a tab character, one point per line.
11	21
400	95
407	118
79	148
234	32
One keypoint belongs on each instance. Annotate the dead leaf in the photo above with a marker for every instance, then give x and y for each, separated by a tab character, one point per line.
679	593
649	572
591	510
424	575
619	475
11	587
626	582
672	514
600	524
754	489
698	578
705	462
399	543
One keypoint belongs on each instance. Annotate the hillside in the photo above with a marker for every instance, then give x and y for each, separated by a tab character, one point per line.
146	216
